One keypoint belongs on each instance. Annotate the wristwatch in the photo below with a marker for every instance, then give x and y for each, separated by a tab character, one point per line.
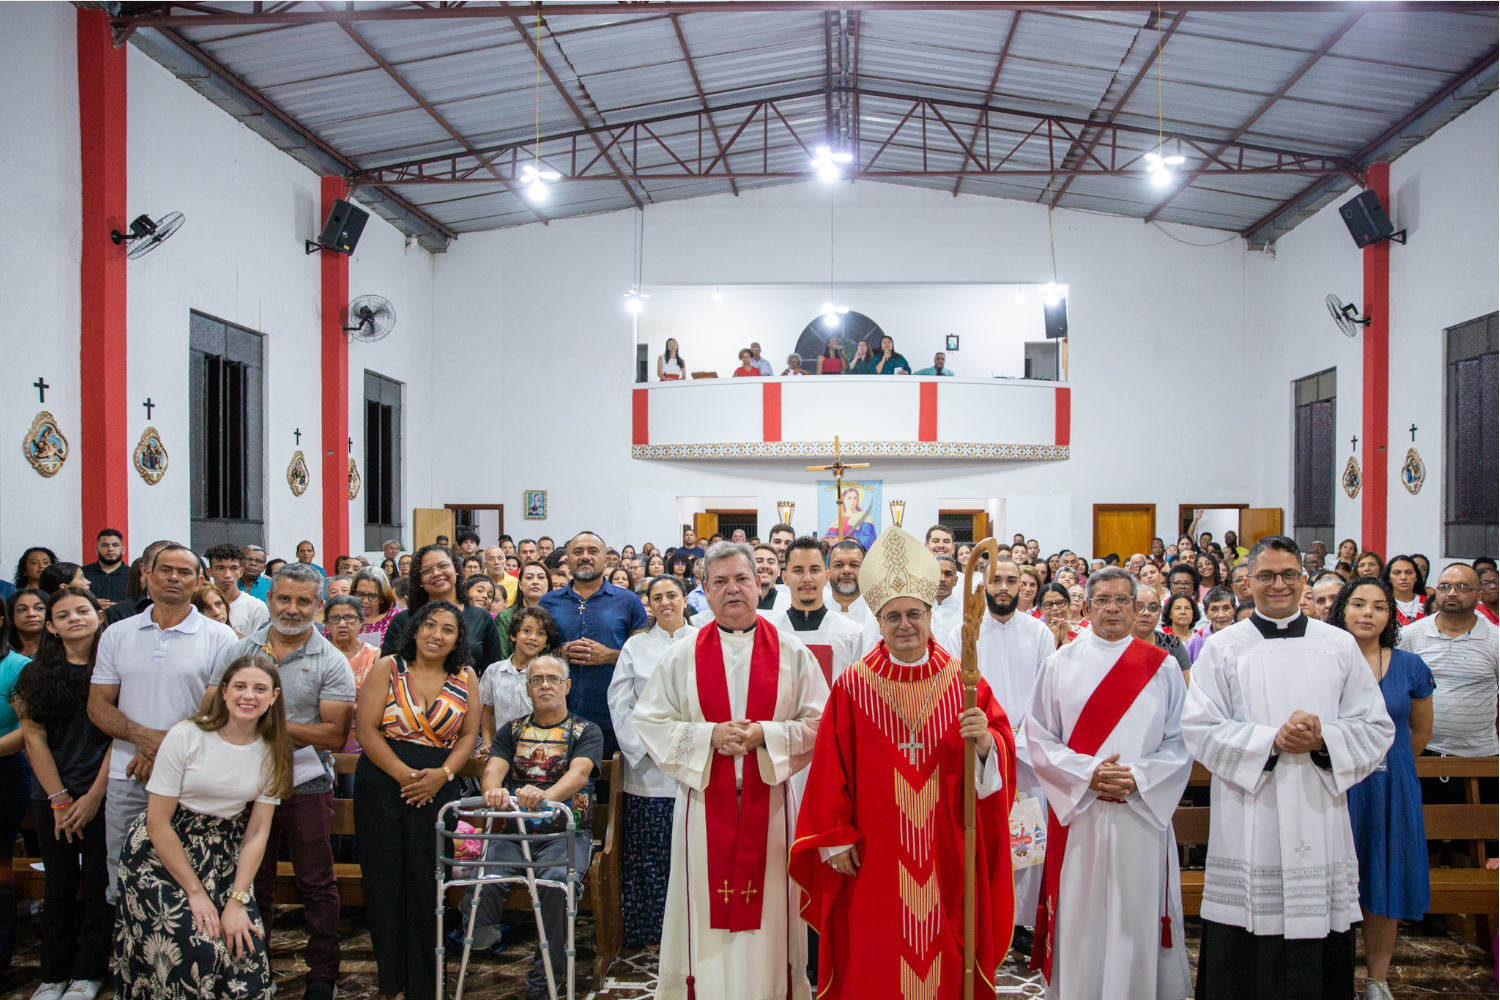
243	896
448	771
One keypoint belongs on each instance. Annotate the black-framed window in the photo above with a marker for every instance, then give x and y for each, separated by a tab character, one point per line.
383	434
1313	400
1470	442
226	432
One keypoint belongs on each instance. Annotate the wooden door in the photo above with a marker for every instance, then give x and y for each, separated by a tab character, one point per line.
428	523
1123	528
1258	522
706	525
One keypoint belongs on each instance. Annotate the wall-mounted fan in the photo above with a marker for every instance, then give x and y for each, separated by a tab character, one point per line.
371	317
146	234
1346	315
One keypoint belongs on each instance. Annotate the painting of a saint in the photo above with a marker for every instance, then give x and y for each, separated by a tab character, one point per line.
861	511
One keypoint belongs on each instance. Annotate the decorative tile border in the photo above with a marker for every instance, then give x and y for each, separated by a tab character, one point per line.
871	449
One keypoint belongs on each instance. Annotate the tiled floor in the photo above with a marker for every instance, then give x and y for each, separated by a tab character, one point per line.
1429	963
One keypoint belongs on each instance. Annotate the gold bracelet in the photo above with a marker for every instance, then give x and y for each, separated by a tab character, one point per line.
447	772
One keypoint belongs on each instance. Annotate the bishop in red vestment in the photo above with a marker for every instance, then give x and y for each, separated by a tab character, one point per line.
878	854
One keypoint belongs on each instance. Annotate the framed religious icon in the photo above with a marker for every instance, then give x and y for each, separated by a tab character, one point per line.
45	447
150	457
534	505
297	475
861	510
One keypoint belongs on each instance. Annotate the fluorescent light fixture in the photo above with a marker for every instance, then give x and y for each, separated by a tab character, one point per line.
826	163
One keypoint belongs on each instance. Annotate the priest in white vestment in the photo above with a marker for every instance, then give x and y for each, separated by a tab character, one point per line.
1011	647
948	612
1287	715
1117	924
738	938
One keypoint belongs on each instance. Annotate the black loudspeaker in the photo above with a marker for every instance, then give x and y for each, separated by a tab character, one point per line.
345	223
1056	316
1366	219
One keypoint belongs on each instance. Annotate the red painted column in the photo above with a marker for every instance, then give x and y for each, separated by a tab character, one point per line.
1062	416
335	378
927	428
640	416
1375	422
103	448
770	411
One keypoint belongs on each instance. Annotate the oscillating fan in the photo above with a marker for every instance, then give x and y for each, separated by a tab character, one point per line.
371	317
1346	315
146	235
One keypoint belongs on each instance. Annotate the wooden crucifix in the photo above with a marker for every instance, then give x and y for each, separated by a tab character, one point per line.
838	468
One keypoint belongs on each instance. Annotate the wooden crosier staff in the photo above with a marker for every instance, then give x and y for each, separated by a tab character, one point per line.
974	608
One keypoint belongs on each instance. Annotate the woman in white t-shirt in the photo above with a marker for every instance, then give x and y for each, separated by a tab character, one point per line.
187	923
669	364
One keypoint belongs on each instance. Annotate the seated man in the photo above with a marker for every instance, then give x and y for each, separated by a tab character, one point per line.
550	755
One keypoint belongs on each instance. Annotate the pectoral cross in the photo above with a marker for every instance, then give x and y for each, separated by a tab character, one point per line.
726	892
298	435
911	746
41	388
149	407
838	468
748	891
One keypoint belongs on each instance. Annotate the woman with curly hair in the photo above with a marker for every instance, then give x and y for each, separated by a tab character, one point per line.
25	618
189	923
70	758
30	566
414	718
434	577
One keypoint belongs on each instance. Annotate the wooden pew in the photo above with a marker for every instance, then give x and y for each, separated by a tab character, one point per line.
1471	890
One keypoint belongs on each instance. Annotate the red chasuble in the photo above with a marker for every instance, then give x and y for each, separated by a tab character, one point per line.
886	775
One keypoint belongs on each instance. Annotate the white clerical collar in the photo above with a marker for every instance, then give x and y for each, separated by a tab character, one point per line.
1279	622
902	663
734	631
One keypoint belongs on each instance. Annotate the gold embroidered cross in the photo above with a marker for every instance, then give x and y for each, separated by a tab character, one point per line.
726	892
748	891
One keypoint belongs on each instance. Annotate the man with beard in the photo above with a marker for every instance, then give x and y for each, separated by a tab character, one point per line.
1012	647
844	561
594	618
317	692
108	574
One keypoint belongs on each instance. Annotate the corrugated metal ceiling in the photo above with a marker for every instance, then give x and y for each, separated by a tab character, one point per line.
1327	80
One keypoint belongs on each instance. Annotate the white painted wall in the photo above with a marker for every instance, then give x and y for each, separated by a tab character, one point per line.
1138	333
1444	193
39	278
238	257
518	356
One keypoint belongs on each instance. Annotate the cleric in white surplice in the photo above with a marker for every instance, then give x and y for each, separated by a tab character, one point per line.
1287	716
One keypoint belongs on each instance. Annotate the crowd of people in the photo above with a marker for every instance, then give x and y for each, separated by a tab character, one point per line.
170	721
866	360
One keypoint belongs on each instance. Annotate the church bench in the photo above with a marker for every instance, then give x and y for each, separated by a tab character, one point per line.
601	894
1473	890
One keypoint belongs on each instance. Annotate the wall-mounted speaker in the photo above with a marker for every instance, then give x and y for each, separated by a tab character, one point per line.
345	223
1056	316
1366	218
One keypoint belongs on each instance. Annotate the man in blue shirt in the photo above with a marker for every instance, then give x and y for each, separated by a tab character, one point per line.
759	362
594	618
938	367
690	546
253	580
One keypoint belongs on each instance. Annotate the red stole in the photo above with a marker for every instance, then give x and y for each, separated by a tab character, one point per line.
737	823
1101	713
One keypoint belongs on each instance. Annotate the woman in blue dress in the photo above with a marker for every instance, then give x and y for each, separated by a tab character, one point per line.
1386	808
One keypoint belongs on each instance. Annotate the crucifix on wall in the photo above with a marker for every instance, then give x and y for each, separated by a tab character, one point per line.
149	407
41	388
297	434
838	468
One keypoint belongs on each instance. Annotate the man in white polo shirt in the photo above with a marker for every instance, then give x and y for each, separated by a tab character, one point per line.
150	673
1459	647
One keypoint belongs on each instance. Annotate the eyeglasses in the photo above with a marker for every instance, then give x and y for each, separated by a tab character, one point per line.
368	597
1287	576
1053	605
545	680
1154	609
432	571
1113	601
341	620
1460	588
895	618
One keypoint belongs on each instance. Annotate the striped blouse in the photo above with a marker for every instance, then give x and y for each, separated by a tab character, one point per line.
439	725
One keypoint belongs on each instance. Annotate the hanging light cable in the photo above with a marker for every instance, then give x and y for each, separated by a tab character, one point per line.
533	174
1158	164
833	314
